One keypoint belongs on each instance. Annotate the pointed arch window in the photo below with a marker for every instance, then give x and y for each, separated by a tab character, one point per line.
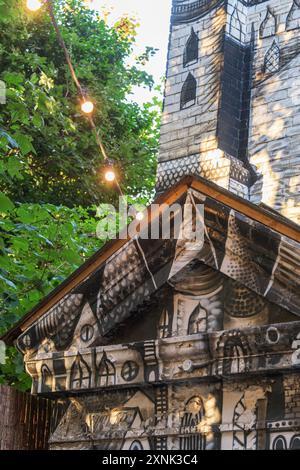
293	18
47	379
269	25
188	92
272	59
80	374
197	321
235	27
106	372
191	51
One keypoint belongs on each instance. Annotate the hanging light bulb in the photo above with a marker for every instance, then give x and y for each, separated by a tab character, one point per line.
87	107
34	5
110	175
109	171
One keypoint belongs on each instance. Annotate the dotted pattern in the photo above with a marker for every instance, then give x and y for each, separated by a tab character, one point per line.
124	289
59	324
172	171
242	302
238	264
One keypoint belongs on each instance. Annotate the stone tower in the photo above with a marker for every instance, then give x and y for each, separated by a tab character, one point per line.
231	107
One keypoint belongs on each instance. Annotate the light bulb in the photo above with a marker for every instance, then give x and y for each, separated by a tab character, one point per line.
87	107
110	176
34	5
139	216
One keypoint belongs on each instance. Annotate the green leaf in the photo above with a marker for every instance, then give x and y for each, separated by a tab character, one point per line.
20	244
12	78
71	256
6	205
13	166
8	282
24	143
37	120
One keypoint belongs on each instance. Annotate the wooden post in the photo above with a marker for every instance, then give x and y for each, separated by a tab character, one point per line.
25	420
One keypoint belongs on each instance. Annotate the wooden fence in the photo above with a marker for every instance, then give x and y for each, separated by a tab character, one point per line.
25	420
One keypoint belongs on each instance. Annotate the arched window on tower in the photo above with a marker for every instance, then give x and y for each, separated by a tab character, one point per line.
80	374
188	92
293	18
191	51
106	372
269	25
272	59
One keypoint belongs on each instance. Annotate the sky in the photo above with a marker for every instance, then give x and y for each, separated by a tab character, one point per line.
153	17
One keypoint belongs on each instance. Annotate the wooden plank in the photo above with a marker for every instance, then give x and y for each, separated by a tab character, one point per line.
25	420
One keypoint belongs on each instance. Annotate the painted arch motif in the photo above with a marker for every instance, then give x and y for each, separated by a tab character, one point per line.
285	442
190	437
80	374
243	438
106	374
136	445
47	379
279	443
197	321
295	442
234	352
164	325
272	59
268	27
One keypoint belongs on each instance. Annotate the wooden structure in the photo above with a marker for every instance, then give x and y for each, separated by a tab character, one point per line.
25	420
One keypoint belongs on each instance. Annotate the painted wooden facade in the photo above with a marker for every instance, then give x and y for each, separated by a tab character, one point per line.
180	344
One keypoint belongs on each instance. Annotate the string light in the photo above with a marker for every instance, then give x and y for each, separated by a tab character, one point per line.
109	171
87	107
34	5
110	176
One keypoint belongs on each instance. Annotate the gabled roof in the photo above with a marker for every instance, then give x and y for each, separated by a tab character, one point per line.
235	228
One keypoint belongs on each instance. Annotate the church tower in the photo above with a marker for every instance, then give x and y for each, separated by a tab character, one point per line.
230	108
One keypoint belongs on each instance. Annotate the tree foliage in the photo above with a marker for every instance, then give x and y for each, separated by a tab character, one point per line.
50	165
60	158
